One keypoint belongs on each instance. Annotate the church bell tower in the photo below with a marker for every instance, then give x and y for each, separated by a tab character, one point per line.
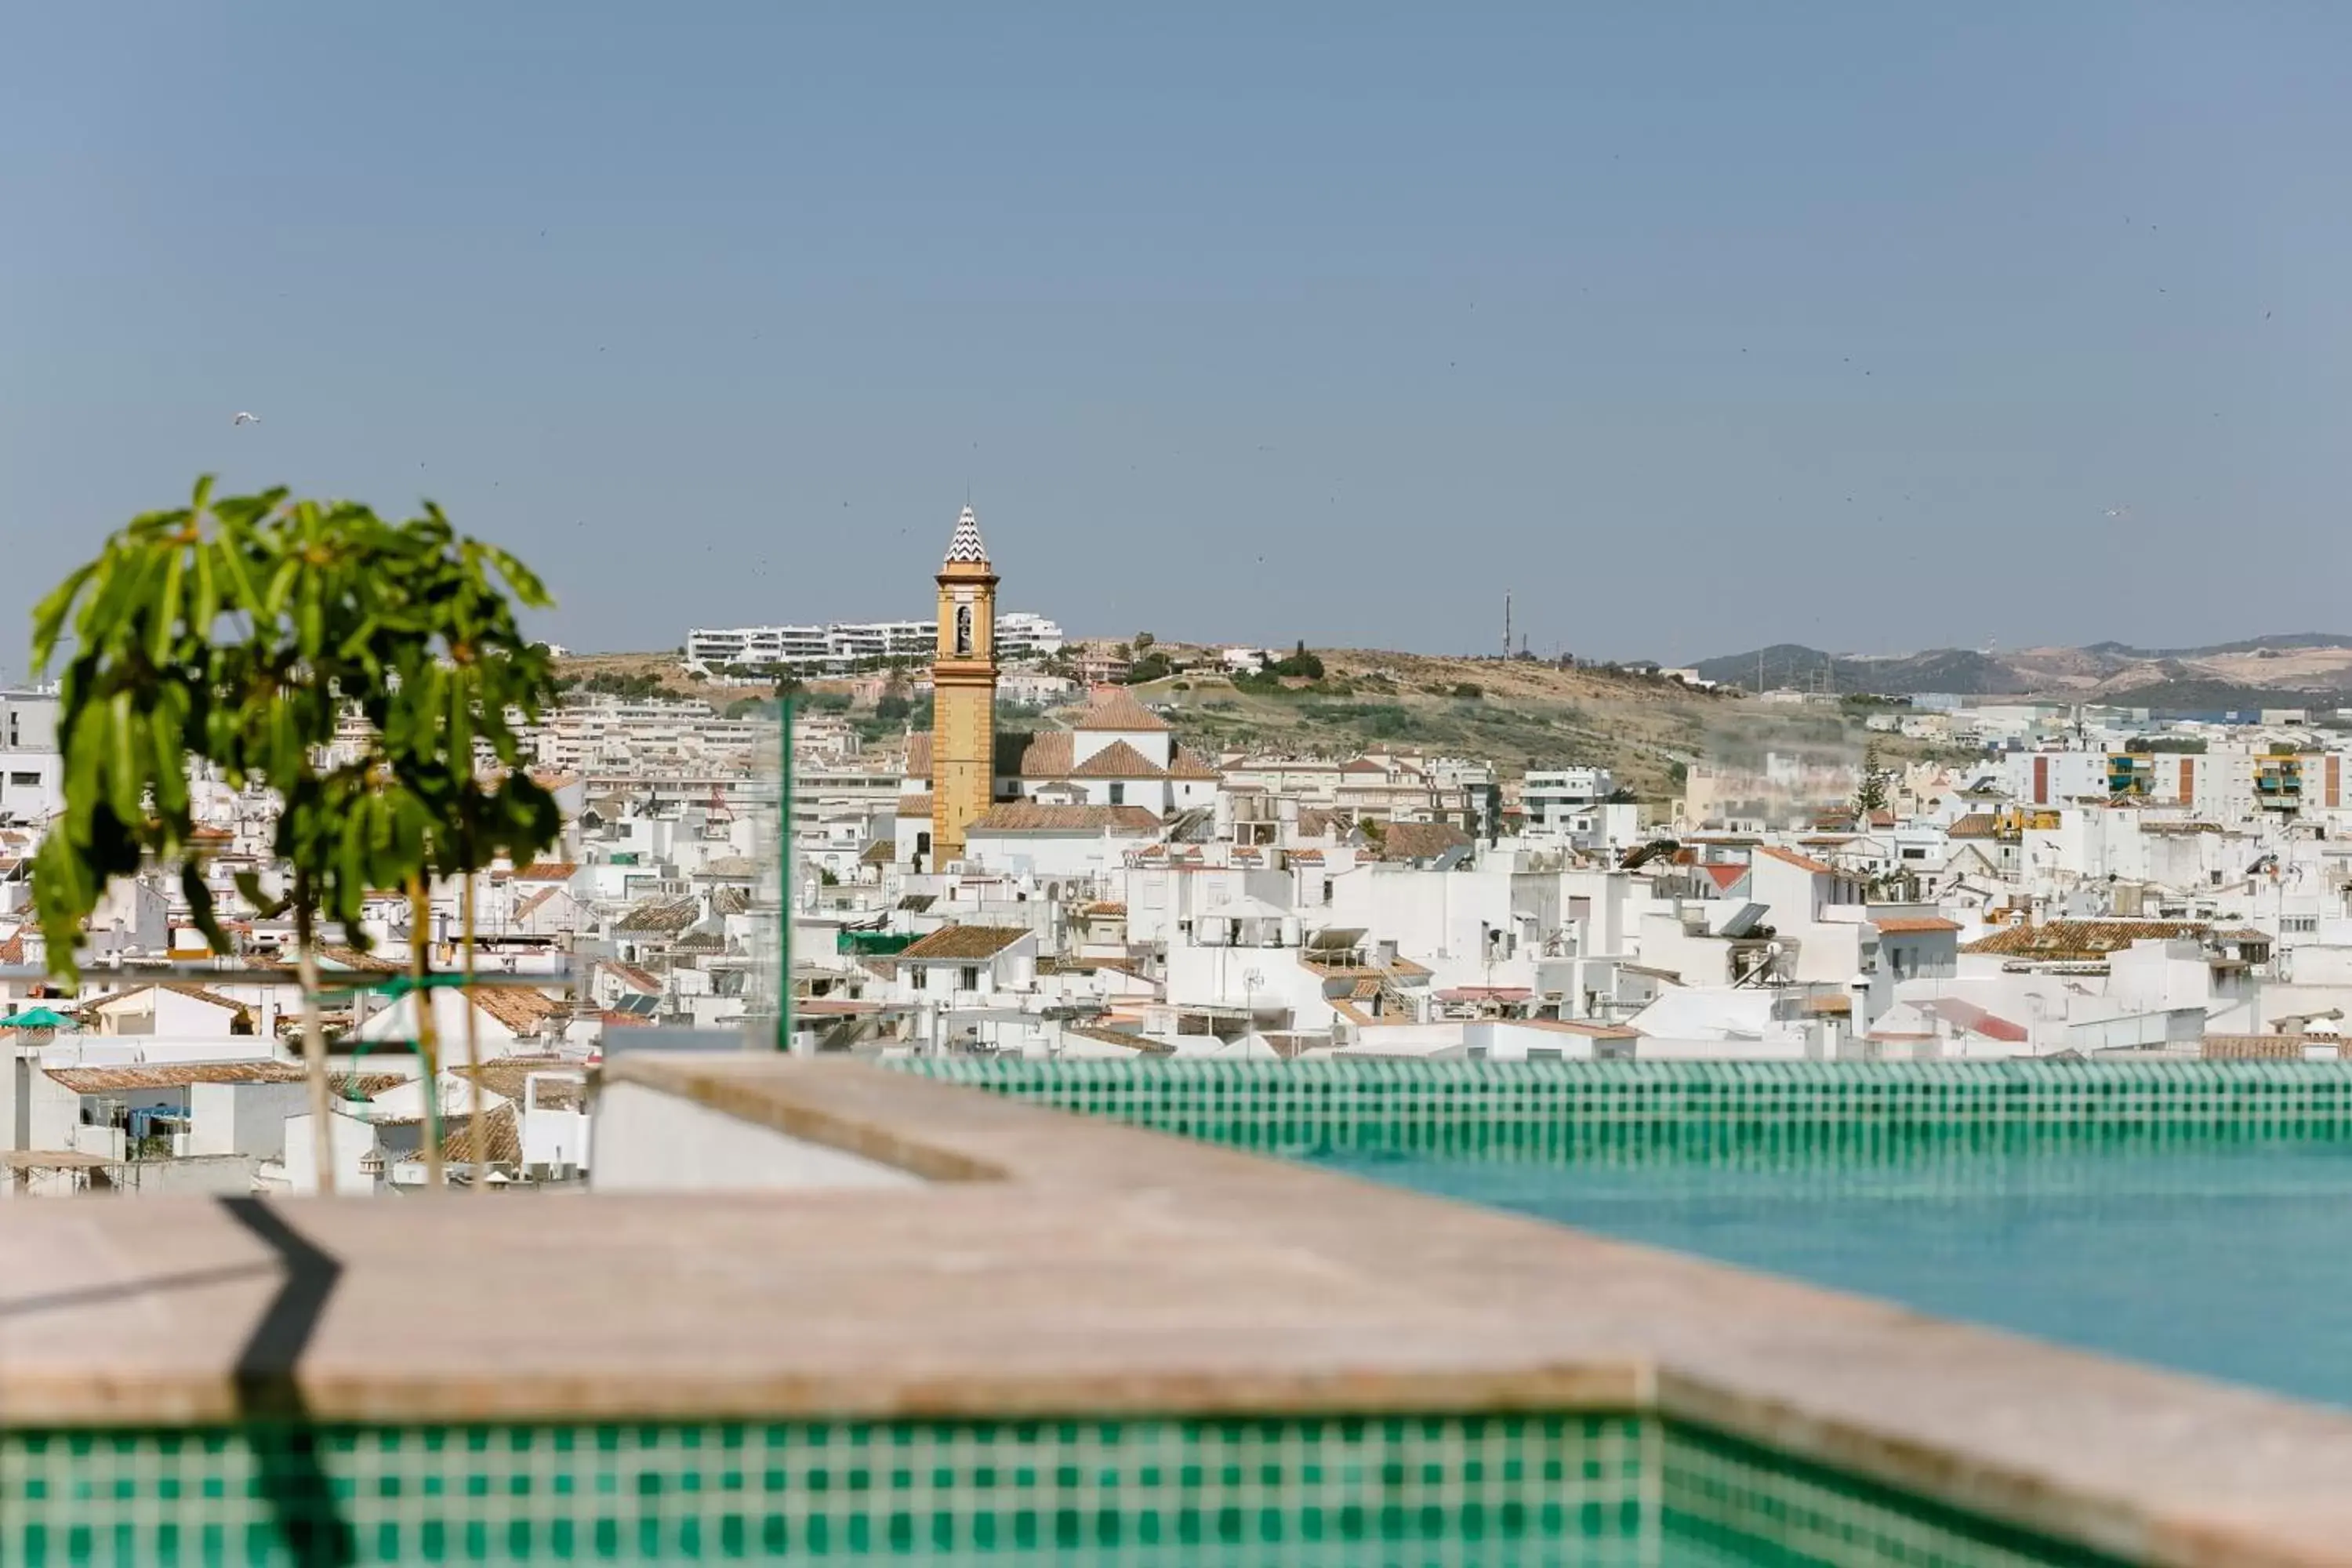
964	692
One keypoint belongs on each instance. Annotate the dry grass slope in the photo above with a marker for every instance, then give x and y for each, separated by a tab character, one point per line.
1518	713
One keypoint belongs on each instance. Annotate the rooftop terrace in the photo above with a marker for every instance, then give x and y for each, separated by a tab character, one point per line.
1047	1266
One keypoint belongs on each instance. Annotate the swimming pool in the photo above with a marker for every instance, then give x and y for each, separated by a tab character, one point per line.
2228	1258
2189	1214
1606	1407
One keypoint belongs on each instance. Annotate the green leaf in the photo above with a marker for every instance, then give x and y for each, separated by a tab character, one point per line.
125	778
163	630
205	609
164	735
49	615
199	895
264	904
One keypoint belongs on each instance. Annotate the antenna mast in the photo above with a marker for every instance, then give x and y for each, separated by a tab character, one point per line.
1507	627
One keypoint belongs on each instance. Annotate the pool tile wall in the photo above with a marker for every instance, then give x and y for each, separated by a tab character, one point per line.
1581	1487
1585	1490
1539	1109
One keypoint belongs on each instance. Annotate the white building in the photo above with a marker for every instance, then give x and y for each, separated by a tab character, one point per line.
1572	806
32	770
1550	795
1019	635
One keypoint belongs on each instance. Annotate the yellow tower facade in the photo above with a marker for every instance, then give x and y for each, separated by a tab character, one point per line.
964	692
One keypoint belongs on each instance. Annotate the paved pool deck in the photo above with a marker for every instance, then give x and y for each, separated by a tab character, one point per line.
1058	1265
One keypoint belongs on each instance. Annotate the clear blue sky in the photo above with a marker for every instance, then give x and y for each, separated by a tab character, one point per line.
1699	326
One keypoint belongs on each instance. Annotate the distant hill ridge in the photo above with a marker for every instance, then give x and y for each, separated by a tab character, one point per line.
2251	644
2281	669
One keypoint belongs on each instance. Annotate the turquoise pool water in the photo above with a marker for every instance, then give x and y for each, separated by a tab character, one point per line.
2231	1259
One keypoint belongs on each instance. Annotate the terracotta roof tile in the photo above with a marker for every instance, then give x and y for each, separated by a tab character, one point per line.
1421	840
636	979
199	993
1045	755
1034	816
1191	765
1585	1026
365	1085
1018	754
1969	1018
1115	708
505	1077
1802	862
535	901
661	915
963	942
518	1008
352	958
1119	761
502	1139
1907	925
2079	941
174	1075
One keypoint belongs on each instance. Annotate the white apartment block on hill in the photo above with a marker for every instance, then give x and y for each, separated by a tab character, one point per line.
2233	781
1019	635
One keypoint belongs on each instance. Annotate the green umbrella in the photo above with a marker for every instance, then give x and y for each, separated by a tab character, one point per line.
36	1018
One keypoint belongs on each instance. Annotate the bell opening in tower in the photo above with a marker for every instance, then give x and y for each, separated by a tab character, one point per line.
964	629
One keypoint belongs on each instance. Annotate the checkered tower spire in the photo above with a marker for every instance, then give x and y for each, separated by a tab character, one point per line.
965	545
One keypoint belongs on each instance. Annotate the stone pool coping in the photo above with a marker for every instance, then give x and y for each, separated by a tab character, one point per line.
1068	1266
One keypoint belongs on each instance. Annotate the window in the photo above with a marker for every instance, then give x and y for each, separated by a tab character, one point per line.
1118	795
1915	852
963	628
25	781
2299	925
968	977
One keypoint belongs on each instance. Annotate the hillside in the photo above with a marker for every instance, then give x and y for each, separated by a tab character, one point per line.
2291	670
1519	713
1961	671
2276	642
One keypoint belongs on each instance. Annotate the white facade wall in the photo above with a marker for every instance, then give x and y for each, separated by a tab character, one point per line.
1264	978
1552	798
1461	923
32	770
552	1136
650	1141
1163	900
1076	854
353	1138
155	1010
242	1118
2054	778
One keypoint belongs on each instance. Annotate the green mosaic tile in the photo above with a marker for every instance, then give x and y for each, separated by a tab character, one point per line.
1575	1491
1723	1500
1549	1489
1593	1109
